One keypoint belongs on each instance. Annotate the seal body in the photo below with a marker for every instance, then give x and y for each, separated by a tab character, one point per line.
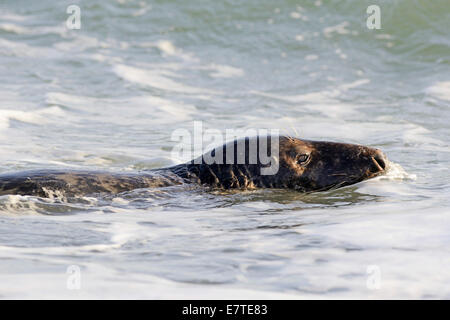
259	162
49	183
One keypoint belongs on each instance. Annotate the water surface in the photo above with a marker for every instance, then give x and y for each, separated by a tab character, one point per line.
110	95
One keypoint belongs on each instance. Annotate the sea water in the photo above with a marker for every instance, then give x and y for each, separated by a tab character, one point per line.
109	95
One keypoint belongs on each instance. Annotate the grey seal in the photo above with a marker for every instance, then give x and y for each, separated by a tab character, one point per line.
302	165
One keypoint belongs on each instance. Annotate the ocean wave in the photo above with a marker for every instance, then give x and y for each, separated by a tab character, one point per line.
20	49
142	109
36	117
37	30
158	79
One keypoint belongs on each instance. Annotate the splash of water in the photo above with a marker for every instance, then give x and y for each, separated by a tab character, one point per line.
396	172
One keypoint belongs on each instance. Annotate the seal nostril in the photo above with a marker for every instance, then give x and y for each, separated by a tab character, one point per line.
381	162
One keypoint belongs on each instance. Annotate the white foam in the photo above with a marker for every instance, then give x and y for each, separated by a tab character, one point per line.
9	27
142	110
396	172
325	101
224	71
157	78
168	49
415	134
19	49
104	282
36	30
73	101
340	28
103	58
5	15
440	90
295	15
311	57
38	117
164	110
14	205
395	241
319	96
81	43
142	11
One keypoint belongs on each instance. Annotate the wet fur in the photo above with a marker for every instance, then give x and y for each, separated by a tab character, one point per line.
70	184
331	165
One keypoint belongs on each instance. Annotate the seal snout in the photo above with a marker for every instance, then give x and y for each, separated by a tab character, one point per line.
379	160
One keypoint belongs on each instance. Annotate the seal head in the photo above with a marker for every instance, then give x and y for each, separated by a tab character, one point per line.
317	166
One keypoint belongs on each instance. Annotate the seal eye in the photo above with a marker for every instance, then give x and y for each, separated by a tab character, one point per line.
302	159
